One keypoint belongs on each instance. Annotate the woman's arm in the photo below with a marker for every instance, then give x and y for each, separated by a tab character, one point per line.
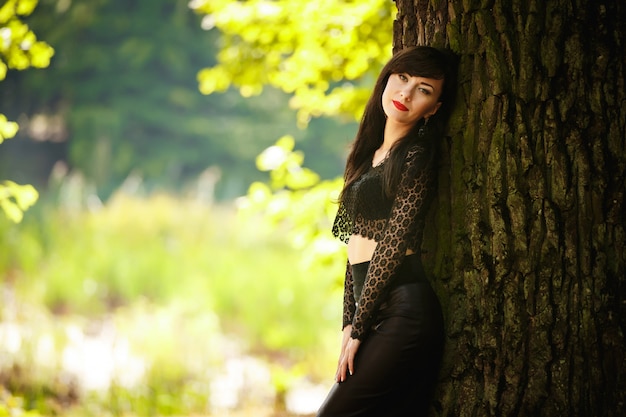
349	306
349	303
408	206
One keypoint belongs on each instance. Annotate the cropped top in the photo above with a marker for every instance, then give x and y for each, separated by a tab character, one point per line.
396	223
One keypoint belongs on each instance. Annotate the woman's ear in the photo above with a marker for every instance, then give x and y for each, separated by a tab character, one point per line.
432	113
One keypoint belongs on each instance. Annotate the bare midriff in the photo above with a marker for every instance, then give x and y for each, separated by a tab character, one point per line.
361	249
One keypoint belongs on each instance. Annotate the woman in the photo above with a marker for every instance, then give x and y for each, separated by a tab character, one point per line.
392	321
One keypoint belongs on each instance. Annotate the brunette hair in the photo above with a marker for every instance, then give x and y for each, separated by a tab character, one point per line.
422	61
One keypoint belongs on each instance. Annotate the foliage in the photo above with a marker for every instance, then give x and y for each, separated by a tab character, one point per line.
81	260
121	98
297	199
16	198
127	97
173	278
19	49
11	405
109	365
8	129
323	52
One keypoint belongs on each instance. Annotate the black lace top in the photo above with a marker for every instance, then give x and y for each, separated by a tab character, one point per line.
395	223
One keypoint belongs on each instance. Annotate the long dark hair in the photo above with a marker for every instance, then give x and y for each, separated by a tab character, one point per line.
422	61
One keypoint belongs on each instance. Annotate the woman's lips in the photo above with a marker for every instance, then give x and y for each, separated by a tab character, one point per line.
400	106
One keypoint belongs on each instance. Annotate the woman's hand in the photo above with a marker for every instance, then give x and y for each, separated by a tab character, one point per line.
344	342
349	348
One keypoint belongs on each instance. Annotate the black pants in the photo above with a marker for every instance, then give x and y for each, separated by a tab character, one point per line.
396	366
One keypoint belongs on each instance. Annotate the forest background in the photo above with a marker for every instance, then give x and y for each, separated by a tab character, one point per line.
178	259
144	283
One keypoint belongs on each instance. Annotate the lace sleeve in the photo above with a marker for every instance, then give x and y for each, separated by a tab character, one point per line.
349	303
408	207
342	226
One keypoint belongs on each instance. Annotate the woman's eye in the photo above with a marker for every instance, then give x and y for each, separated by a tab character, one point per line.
425	91
403	77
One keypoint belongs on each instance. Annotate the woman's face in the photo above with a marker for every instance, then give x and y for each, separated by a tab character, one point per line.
407	99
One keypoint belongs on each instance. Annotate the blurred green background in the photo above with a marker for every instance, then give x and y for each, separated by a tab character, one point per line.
178	260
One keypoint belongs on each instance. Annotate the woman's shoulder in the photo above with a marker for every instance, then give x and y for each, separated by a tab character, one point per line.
418	151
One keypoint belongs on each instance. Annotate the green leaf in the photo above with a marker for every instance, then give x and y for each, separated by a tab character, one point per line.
7	129
15	199
40	54
12	211
302	47
7	11
26	7
302	178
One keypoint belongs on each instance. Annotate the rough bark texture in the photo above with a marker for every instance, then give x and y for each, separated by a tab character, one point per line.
527	246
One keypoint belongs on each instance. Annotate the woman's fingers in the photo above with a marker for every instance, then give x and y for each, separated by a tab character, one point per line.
346	362
339	362
354	347
342	365
351	362
338	372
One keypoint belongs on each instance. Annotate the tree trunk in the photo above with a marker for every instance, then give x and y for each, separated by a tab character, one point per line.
527	243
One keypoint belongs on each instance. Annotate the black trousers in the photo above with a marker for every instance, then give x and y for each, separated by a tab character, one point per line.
396	366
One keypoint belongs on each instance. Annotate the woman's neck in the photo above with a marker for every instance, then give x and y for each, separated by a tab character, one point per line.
393	132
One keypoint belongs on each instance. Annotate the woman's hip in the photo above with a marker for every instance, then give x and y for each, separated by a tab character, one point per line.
411	300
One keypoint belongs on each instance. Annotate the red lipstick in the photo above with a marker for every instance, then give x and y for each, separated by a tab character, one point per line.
400	106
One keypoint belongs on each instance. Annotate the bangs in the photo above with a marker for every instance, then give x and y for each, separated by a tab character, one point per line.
422	62
419	68
435	73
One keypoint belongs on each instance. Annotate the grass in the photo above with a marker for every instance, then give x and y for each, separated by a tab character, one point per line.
180	283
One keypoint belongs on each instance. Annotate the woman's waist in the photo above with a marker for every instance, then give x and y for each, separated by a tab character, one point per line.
361	249
410	300
409	271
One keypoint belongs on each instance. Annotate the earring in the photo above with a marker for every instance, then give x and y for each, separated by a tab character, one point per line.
423	130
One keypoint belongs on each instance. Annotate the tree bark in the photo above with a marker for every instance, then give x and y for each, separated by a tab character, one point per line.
527	239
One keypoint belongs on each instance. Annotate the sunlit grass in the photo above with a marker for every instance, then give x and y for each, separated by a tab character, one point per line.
182	286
